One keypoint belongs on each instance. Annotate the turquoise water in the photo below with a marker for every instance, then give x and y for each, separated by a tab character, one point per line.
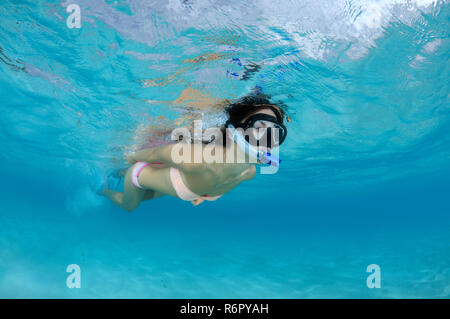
365	172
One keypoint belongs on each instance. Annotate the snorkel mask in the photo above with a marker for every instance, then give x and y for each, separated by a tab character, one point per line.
261	130
264	130
264	156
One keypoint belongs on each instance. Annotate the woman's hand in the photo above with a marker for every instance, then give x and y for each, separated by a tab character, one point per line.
197	201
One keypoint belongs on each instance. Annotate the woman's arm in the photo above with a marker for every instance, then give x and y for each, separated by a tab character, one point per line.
152	155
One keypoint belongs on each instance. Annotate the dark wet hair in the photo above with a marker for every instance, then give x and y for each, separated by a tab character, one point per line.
249	105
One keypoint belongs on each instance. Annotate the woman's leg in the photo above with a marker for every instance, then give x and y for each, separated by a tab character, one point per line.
156	183
131	196
157	180
149	195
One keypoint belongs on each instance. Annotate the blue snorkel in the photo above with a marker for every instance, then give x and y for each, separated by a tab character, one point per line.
271	159
264	156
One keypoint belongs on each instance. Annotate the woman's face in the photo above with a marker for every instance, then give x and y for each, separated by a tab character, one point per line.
260	127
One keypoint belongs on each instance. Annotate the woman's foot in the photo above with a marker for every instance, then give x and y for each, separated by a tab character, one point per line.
112	181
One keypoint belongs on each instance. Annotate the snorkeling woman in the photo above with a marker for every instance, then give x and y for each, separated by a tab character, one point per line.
155	172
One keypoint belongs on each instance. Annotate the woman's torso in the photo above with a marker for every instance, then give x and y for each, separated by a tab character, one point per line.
218	178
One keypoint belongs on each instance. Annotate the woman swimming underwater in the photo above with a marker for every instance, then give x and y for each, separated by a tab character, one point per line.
254	127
